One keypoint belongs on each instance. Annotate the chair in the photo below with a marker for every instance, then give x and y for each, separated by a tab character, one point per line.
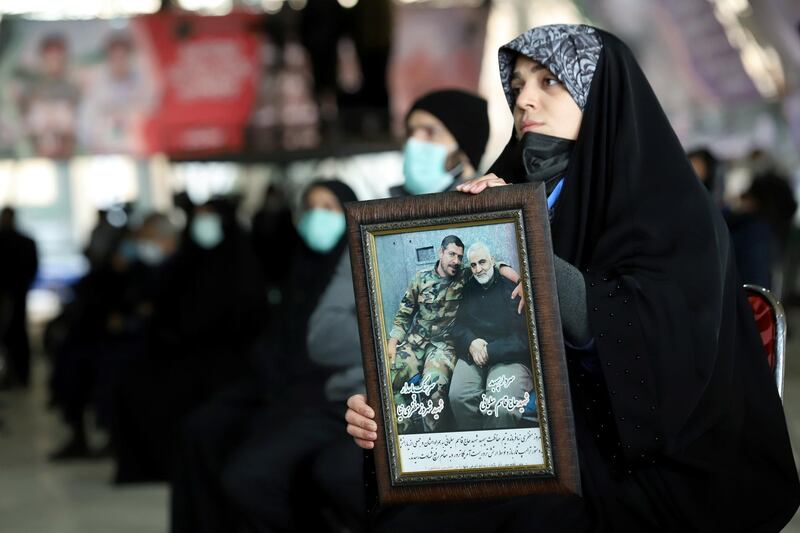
771	323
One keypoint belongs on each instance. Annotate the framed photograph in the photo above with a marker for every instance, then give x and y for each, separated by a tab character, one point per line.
462	345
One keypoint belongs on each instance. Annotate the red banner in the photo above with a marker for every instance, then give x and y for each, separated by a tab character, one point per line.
209	68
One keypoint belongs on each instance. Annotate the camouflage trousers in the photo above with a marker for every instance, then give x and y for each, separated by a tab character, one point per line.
420	380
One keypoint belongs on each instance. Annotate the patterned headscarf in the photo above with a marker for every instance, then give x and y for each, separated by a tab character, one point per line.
569	51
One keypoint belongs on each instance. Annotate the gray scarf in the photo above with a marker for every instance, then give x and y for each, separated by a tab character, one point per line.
569	51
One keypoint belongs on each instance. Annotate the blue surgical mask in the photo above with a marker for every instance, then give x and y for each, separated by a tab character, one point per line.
424	167
150	253
321	229
206	230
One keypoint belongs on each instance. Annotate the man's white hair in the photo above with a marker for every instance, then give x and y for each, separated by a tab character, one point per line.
479	247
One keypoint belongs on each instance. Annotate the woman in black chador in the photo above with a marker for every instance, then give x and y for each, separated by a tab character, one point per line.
206	316
678	420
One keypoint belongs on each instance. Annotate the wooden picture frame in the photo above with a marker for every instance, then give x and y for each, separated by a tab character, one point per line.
421	455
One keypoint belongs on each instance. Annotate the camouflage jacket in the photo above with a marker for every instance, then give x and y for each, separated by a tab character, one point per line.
433	301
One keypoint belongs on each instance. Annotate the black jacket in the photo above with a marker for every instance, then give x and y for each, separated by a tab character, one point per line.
487	312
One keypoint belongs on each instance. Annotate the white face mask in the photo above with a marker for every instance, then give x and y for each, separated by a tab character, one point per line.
206	230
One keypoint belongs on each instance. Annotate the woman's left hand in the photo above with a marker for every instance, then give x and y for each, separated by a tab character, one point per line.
478	185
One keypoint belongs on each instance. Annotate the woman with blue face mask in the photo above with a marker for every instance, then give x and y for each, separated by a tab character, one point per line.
322	223
282	374
321	227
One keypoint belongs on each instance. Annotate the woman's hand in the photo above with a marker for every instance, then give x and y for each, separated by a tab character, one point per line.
360	422
477	185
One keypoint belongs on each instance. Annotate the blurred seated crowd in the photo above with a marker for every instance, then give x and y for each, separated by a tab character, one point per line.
188	347
220	359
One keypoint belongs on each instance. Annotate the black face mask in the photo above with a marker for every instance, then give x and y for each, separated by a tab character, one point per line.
545	158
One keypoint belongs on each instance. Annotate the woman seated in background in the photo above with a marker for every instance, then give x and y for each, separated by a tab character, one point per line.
245	454
678	422
205	318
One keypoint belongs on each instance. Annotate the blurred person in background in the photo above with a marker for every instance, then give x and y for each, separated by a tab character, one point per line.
752	243
750	233
84	327
18	266
204	320
446	135
240	453
706	167
771	197
272	229
105	326
107	233
156	242
104	242
262	476
760	222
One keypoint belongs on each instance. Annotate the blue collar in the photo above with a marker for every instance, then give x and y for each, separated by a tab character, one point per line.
553	196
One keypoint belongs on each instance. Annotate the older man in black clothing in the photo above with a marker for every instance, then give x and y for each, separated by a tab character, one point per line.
492	379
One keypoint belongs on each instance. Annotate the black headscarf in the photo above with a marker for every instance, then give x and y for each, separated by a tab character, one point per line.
312	271
697	417
340	189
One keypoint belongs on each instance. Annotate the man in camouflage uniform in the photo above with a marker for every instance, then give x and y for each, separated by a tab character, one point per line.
432	296
420	353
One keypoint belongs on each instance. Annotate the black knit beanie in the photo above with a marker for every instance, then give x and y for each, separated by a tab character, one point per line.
465	116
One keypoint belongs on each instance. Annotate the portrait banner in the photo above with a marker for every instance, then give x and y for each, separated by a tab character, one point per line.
76	87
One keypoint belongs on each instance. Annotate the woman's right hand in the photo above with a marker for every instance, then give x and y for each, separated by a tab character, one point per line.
478	185
361	422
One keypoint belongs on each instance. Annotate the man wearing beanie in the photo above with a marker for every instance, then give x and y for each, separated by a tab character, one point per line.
447	132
